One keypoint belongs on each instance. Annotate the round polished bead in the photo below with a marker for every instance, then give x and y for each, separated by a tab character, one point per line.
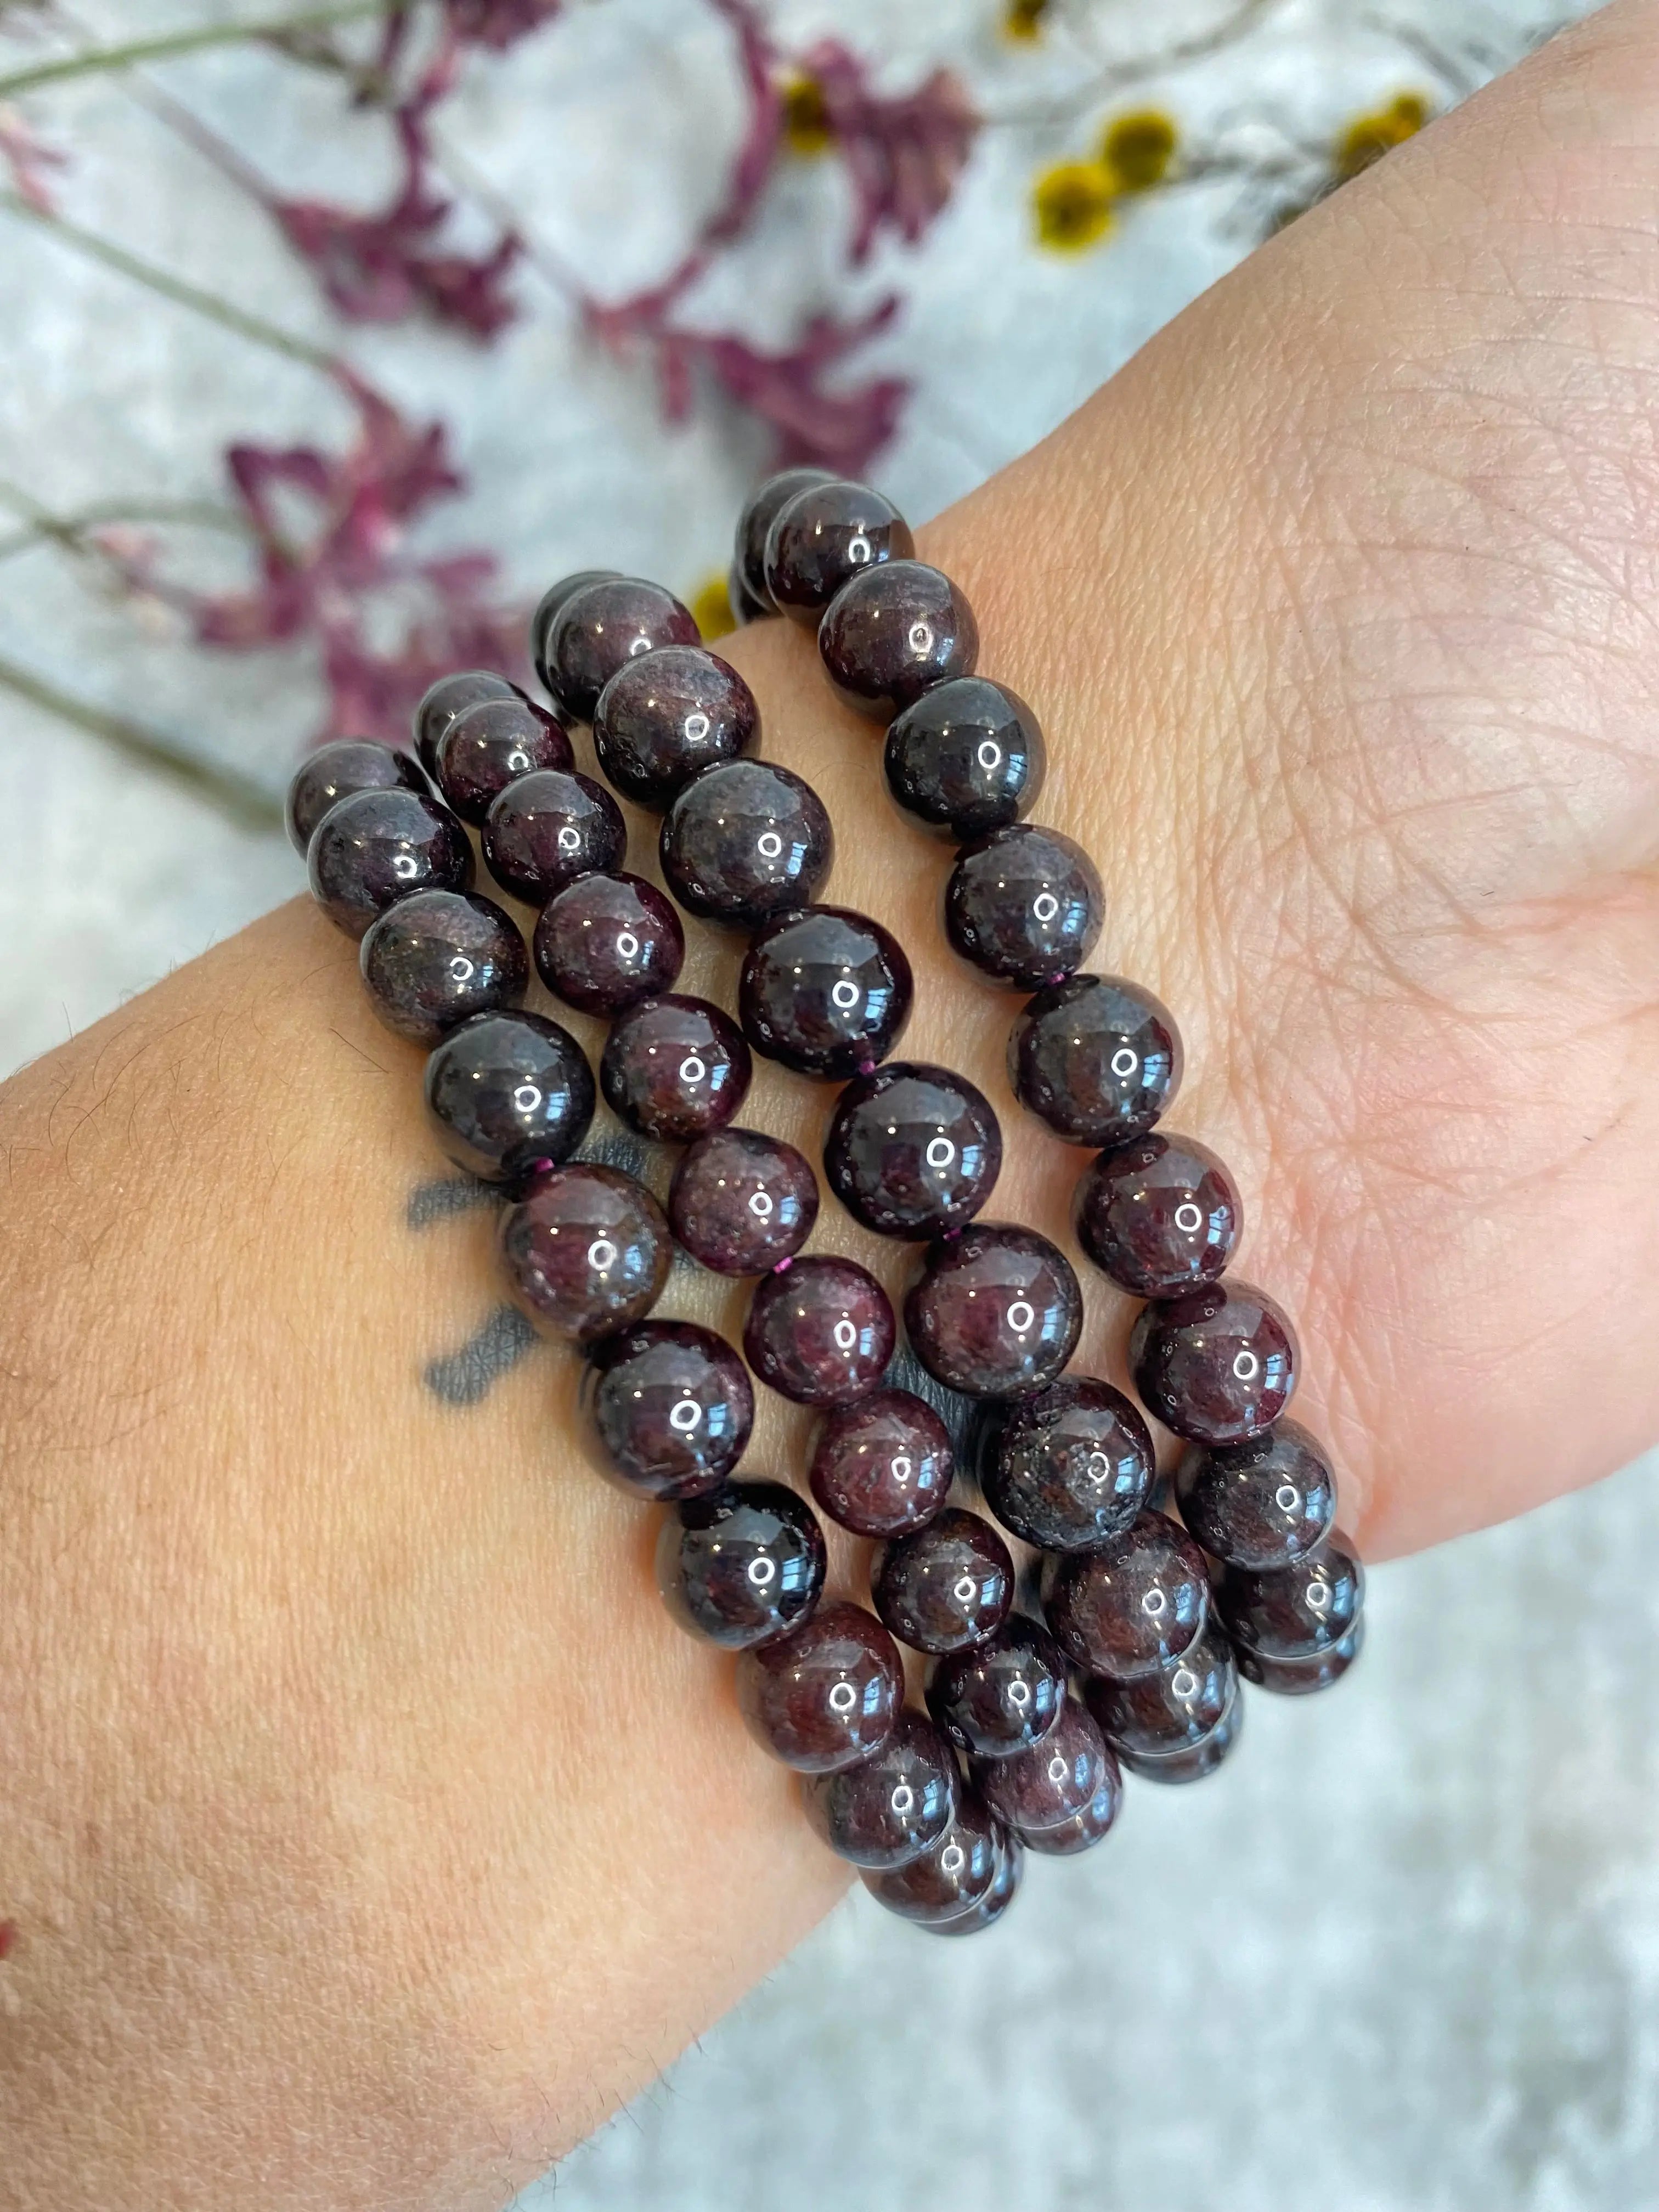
374	847
822	537
671	1407
945	1587
508	1092
1002	1695
740	1201
912	1150
548	828
1059	1795
742	1565
438	957
996	1311
1260	1504
1159	1215
1005	1888
892	633
820	1331
600	628
674	1068
666	716
491	743
1198	1759
827	1693
966	758
1294	1613
952	1876
335	771
449	697
1218	1365
1023	905
585	1251
607	941
763	504
825	991
883	1467
1176	1706
891	1808
1070	1467
1302	1678
1133	1606
551	603
1096	1058
745	840
745	607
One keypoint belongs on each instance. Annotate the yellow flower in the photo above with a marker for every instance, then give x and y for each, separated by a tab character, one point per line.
1073	203
711	608
1023	19
1368	138
806	127
1137	149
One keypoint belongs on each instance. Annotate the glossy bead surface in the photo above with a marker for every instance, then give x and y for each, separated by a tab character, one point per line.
1198	1759
825	991
449	697
1024	905
1002	1695
1159	1215
548	607
548	828
1059	1796
668	714
883	1467
889	1808
607	941
745	607
742	1565
952	1876
1133	1606
585	1251
996	1311
945	1587
821	1331
1294	1613
1070	1467
674	1068
600	628
1259	1504
374	847
825	1694
334	772
1218	1365
912	1150
966	758
491	743
1304	1678
892	633
741	1201
1096	1058
438	957
1174	1708
824	536
670	1406
507	1092
1005	1888
763	504
745	840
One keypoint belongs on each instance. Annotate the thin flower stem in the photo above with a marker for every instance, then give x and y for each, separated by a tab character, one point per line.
70	531
169	45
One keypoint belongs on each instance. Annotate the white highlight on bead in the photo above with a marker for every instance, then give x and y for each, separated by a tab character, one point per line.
953	1859
901	1467
628	944
760	1204
461	969
1318	1596
1125	1063
1045	906
405	864
768	845
1098	1467
639	645
692	1070
570	839
990	755
922	638
602	1253
940	1152
844	994
526	1098
1287	1497
1057	1767
696	728
685	1416
1189	1219
1019	1695
1183	1683
903	1800
1246	1367
843	1698
845	1336
1022	1316
518	760
1155	1604
965	1591
761	1571
858	549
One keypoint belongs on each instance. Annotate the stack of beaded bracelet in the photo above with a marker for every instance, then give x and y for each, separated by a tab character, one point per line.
1145	1624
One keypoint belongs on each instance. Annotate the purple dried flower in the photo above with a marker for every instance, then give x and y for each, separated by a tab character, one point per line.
28	158
904	153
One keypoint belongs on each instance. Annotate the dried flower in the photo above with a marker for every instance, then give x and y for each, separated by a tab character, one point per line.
711	608
1368	138
1023	19
1137	149
806	127
1072	204
904	152
497	24
28	158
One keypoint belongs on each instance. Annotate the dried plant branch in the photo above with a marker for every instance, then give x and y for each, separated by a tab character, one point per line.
74	533
168	45
1113	76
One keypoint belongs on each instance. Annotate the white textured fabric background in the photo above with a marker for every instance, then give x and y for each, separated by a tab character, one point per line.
1403	1954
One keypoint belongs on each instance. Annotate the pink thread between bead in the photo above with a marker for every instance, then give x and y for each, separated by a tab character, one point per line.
783	1266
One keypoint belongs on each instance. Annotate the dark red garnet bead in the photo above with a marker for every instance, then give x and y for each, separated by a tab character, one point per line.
1198	1760
1005	1888
883	1467
1302	1678
601	629
546	828
966	758
1059	1795
671	1407
893	632
550	605
674	1068
891	1808
1133	1605
822	537
945	1587
335	771
825	991
742	1565
1294	1613
912	1150
449	697
376	847
1069	1467
954	1875
1261	1504
996	1311
740	1201
745	840
1024	905
607	941
507	1092
1096	1058
491	743
1175	1708
438	957
1002	1695
1159	1215
585	1251
765	504
668	714
820	1331
827	1693
1218	1365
